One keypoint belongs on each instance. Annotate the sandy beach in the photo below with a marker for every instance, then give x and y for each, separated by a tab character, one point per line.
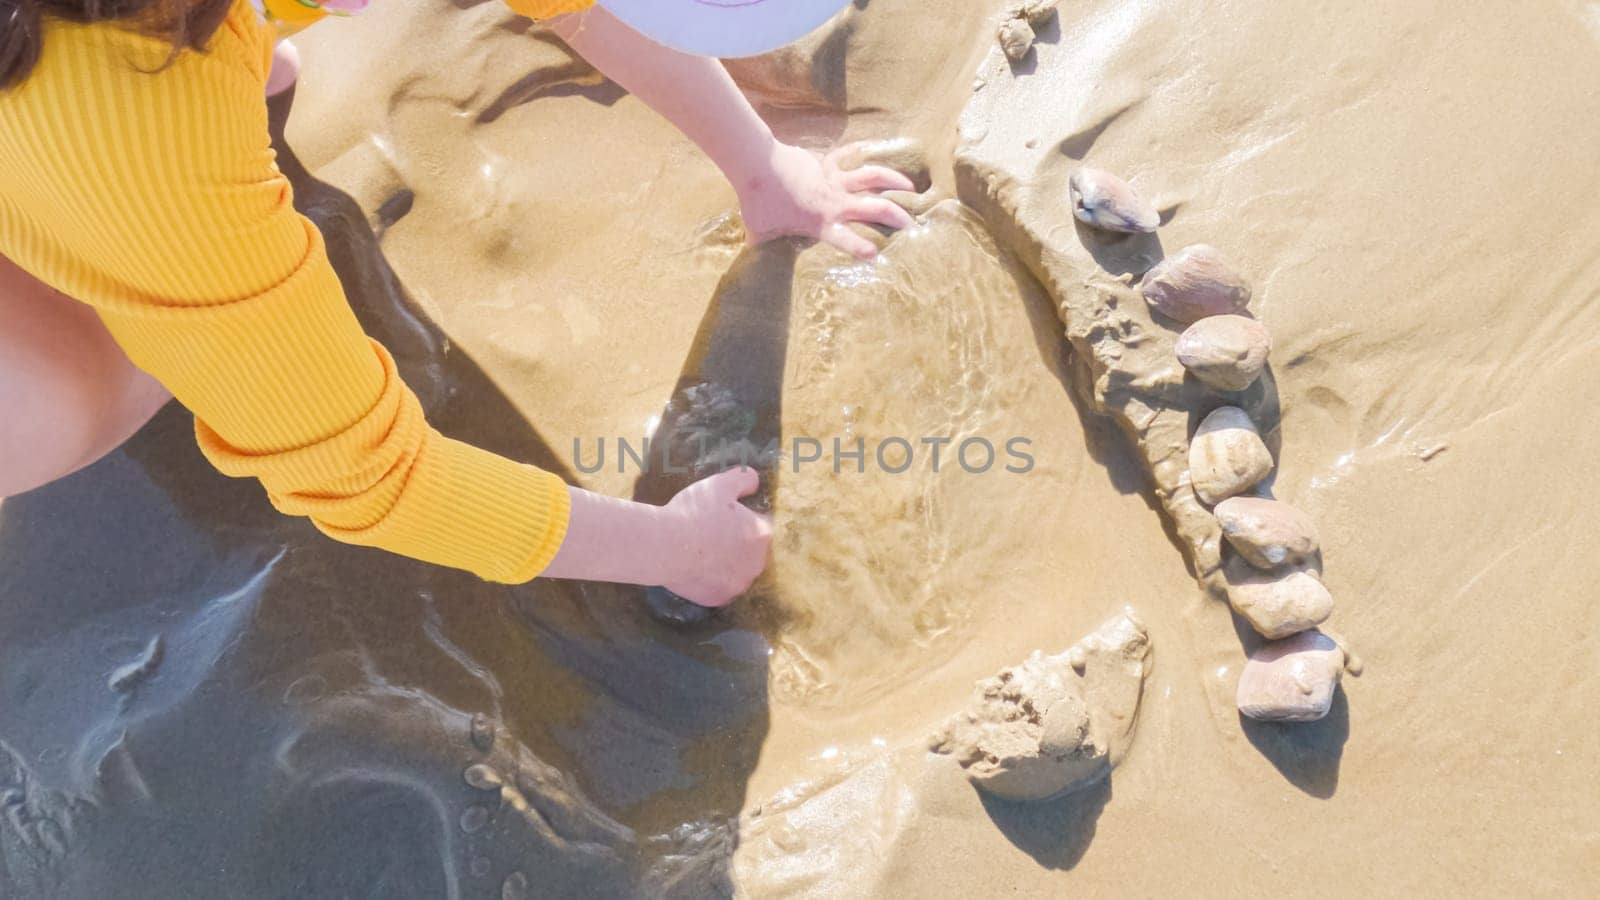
200	698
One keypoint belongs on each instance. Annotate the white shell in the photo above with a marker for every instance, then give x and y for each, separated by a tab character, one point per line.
1016	38
1104	201
1227	456
1291	680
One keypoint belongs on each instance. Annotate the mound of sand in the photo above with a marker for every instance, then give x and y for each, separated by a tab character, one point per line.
1053	724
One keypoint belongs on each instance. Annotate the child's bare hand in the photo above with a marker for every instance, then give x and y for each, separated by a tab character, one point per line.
801	193
725	542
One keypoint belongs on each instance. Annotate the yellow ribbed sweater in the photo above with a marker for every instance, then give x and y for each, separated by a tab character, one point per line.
154	197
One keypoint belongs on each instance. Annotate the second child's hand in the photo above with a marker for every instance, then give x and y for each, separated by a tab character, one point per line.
782	189
808	195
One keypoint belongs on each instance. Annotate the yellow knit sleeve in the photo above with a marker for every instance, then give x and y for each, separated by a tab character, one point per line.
544	9
164	208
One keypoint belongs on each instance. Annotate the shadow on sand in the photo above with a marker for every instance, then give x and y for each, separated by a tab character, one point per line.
1306	753
1056	833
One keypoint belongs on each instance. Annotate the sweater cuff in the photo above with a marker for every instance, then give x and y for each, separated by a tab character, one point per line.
475	510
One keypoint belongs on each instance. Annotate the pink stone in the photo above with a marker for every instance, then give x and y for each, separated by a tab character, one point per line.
1226	352
1227	456
1194	283
1277	604
1267	533
1292	680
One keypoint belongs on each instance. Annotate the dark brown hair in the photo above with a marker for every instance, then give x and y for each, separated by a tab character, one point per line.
186	24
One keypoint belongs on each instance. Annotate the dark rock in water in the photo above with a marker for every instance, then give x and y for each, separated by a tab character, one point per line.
669	607
515	887
482	732
473	820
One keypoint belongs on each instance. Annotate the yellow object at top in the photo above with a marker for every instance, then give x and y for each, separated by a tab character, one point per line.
152	194
291	16
544	9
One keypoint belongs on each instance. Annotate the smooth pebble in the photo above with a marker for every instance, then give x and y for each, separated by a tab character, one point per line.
1277	605
1016	39
483	777
1291	680
1268	533
1227	456
474	819
482	732
1194	283
1227	352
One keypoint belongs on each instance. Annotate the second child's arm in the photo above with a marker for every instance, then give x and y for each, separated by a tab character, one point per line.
783	190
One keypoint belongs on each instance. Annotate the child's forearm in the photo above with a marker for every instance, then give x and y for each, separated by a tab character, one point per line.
694	93
609	539
704	545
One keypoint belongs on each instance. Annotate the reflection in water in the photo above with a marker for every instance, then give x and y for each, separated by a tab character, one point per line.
882	555
805	363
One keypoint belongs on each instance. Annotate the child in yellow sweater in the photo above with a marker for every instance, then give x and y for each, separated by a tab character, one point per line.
148	244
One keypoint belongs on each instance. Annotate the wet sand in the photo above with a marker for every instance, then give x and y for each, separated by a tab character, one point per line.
1405	186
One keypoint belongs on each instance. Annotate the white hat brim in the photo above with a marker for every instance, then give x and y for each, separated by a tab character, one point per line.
724	28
